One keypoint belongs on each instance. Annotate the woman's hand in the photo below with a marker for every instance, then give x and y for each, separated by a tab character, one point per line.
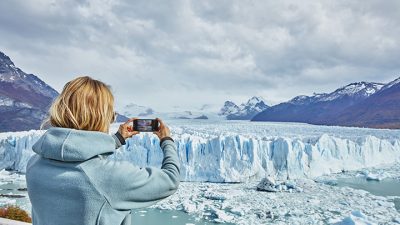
126	129
163	130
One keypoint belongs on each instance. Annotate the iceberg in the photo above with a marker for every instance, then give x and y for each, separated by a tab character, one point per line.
242	151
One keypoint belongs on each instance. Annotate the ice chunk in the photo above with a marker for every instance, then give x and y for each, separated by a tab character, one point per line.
222	216
376	176
356	218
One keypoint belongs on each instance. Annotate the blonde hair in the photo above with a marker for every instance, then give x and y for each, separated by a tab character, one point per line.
84	104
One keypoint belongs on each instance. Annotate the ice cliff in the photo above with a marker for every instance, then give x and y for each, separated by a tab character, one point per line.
233	157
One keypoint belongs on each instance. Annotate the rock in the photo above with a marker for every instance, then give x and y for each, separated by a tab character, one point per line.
264	214
267	184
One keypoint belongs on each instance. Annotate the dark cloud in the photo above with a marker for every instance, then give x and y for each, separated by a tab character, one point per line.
198	52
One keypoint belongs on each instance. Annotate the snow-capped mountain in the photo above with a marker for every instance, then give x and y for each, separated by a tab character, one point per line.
329	108
229	108
134	110
10	75
245	111
380	110
229	111
359	90
24	98
391	84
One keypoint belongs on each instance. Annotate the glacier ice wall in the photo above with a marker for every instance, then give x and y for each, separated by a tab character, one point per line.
16	149
235	158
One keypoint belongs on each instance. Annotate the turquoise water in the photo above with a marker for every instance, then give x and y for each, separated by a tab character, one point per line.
165	217
386	187
21	196
147	216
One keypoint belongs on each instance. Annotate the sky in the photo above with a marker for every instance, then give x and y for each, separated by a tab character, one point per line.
183	54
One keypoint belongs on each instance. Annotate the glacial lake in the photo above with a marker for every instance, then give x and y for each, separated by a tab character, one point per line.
146	216
152	216
385	187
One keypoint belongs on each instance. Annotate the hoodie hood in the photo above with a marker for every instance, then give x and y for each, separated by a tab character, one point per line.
65	144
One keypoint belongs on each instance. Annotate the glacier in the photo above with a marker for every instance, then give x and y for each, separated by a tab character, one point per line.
239	151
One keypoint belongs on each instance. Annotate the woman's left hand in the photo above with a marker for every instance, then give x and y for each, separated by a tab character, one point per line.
126	129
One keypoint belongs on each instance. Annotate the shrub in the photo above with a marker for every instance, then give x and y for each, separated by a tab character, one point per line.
14	212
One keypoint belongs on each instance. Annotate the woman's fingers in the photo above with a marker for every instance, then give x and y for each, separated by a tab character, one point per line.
133	133
130	128
130	120
160	122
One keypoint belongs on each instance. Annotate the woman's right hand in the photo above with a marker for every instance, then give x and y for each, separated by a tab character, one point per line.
126	129
163	130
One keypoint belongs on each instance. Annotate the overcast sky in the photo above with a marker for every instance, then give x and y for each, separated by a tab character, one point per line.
165	54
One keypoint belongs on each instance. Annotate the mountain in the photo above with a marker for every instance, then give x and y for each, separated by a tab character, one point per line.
381	110
207	111
245	111
121	118
355	91
24	98
134	110
229	108
320	108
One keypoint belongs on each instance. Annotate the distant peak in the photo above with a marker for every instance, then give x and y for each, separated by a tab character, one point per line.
5	60
363	83
259	98
396	80
255	100
391	84
299	99
229	103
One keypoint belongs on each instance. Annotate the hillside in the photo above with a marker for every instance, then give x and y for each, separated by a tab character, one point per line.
24	98
361	104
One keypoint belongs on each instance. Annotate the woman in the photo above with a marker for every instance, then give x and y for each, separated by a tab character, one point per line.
70	181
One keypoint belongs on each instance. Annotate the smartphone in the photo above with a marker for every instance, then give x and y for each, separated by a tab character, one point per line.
145	125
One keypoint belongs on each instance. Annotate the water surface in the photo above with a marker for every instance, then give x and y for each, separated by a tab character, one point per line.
152	216
386	187
148	216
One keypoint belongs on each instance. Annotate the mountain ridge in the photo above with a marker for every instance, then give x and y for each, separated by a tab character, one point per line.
244	111
24	98
331	108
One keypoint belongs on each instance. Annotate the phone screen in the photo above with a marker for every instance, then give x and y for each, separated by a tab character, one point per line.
145	125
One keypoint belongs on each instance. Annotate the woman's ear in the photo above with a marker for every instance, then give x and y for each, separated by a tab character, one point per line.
114	118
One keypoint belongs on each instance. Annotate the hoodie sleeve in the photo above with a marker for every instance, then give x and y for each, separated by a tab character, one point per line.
119	140
126	186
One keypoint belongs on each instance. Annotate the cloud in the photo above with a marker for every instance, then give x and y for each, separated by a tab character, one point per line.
189	53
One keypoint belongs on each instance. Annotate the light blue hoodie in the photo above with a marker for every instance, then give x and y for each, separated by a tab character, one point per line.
70	181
